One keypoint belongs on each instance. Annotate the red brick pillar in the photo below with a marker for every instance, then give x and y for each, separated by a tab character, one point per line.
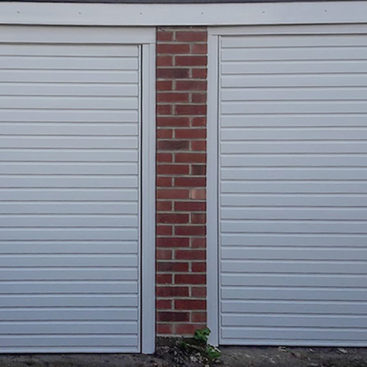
181	179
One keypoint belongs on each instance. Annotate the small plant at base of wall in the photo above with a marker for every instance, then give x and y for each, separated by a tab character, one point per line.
199	346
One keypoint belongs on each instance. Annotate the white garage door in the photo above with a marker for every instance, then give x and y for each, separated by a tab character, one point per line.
293	187
69	191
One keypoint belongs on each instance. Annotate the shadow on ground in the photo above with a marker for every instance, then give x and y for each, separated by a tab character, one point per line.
172	357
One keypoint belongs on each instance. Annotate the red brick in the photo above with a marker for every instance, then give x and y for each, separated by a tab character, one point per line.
198	98
191	85
164	254
187	329
164	230
172	97
198	292
197	194
198	242
164	85
164	329
190	181
173	316
164	60
173	144
172	267
199	267
190	157
199	73
199	121
164	109
171	48
198	145
164	304
172	218
190	60
163	35
172	169
164	133
190	206
172	194
199	48
190	255
190	304
181	162
190	279
198	169
198	218
190	109
173	242
164	157
198	317
191	36
173	121
164	181
166	73
172	291
190	230
190	133
164	206
164	278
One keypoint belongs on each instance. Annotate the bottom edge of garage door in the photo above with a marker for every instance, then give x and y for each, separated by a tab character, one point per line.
68	350
293	343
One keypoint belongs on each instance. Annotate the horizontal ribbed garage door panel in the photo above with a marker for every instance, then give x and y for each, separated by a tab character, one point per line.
292	188
293	120
300	187
45	314
307	253
298	321
82	274
290	160
69	181
66	63
70	50
70	155
294	53
68	247
293	307
69	129
79	90
84	115
68	234
70	196
307	294
294	240
68	220
290	67
294	200
67	169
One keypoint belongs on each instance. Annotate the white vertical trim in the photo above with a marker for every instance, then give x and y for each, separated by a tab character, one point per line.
148	199
212	190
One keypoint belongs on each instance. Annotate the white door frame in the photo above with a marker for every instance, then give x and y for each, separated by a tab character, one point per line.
145	38
213	245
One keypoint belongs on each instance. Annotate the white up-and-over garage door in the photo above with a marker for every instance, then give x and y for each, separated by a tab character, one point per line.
292	186
70	208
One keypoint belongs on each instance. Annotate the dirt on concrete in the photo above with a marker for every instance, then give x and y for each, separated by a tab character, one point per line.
172	355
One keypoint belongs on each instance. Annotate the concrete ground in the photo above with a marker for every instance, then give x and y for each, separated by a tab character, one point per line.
231	357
